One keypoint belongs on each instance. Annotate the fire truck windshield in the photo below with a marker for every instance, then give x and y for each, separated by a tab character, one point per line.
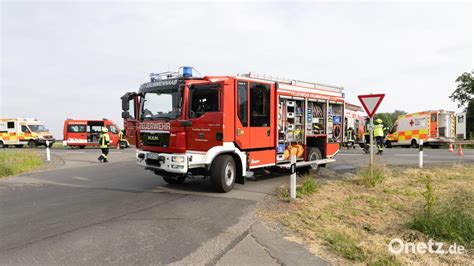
161	104
38	128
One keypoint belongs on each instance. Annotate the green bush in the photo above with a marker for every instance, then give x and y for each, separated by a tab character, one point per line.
448	220
448	223
370	177
309	186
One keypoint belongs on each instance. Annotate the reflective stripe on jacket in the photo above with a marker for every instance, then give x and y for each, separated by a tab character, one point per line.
350	135
104	140
378	130
366	129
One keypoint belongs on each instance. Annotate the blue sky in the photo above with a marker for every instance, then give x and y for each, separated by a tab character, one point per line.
75	59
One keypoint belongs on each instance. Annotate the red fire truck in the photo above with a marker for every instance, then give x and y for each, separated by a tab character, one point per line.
225	127
82	133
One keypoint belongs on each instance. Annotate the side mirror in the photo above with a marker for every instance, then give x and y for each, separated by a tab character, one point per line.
125	102
125	114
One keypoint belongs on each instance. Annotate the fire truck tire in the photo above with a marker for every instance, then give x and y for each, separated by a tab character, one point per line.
313	154
223	173
388	144
81	147
174	181
414	144
2	145
19	146
32	144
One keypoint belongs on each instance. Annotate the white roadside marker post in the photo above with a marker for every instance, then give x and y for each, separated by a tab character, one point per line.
293	177
420	161
371	141
48	153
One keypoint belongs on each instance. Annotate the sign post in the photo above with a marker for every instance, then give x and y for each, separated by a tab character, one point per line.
371	141
371	103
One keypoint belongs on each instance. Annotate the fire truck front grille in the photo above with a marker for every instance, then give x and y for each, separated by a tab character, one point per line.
155	139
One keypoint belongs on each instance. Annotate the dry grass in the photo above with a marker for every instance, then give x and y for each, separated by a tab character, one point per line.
346	221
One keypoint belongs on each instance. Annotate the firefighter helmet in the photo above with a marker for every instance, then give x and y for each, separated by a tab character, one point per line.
104	130
378	121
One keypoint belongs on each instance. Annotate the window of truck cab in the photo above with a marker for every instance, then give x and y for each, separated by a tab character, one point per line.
25	129
259	105
204	99
161	104
112	129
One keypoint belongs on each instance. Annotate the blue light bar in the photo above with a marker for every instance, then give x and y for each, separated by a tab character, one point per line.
187	72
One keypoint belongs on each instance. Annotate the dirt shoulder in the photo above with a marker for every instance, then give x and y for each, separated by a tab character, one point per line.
349	221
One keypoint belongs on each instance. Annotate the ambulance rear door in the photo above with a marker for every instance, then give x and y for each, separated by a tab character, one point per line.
10	131
461	126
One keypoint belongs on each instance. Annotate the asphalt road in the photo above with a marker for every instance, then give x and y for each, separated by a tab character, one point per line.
112	213
354	158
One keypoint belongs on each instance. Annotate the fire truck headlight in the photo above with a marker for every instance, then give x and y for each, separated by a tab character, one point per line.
177	159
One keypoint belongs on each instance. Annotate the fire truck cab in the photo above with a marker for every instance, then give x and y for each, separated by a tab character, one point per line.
228	126
82	133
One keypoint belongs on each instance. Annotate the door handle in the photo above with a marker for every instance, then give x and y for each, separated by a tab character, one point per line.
268	132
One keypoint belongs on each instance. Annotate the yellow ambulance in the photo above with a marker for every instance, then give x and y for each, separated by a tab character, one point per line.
23	131
434	127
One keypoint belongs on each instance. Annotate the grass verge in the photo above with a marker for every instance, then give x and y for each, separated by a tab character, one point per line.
307	187
370	177
17	162
352	220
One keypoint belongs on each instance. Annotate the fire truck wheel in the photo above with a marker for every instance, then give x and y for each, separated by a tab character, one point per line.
19	146
81	147
223	173
312	155
2	145
388	144
31	144
174	181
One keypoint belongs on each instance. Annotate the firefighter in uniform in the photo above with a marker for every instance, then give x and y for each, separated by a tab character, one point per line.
378	134
350	138
367	135
104	141
121	140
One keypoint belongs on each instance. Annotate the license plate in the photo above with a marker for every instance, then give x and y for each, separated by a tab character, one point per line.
153	156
